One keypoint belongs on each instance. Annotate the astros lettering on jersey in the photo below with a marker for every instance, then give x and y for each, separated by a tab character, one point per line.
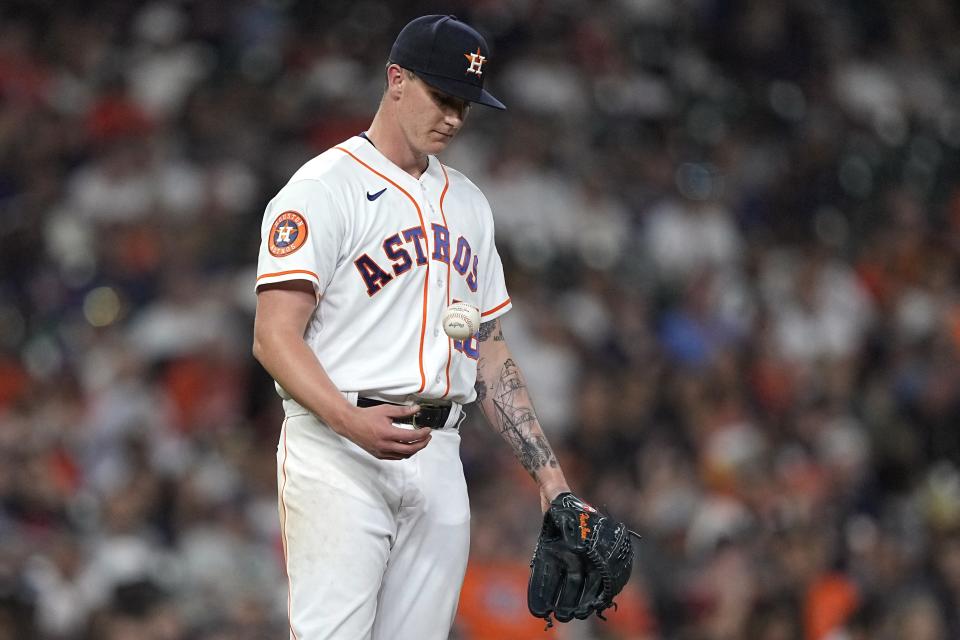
386	253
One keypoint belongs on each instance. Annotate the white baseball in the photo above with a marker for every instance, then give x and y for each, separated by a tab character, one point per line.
461	320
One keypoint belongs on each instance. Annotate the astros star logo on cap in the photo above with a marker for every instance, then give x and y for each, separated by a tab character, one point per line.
476	62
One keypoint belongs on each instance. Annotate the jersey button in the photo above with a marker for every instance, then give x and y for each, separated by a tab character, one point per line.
436	332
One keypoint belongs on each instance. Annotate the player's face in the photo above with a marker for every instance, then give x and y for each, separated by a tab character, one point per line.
430	118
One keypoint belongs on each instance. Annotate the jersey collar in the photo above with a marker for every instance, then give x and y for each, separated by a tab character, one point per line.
369	152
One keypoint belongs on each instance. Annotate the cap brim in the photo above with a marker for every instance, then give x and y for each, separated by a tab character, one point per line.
463	90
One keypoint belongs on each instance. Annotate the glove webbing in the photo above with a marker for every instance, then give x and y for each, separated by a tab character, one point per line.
594	556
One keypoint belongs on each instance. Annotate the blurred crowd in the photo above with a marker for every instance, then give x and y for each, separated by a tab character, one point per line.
731	230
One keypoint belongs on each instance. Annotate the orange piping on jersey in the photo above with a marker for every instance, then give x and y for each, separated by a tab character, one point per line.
426	280
443	194
284	273
283	533
496	308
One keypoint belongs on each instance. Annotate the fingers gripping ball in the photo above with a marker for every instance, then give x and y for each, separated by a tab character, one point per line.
461	320
582	561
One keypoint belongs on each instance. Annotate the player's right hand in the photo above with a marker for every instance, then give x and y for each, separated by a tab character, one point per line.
372	429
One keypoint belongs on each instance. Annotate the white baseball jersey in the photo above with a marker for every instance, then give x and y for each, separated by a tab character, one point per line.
386	253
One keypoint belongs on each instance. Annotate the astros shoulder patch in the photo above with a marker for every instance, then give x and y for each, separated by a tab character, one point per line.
288	234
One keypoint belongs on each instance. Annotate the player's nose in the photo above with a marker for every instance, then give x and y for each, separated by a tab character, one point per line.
452	123
454	115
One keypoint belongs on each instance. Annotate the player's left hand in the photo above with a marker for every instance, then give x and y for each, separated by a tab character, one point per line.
582	561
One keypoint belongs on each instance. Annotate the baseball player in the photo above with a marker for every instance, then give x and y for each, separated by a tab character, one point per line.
362	251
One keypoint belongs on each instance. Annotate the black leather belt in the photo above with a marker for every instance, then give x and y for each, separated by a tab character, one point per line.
433	416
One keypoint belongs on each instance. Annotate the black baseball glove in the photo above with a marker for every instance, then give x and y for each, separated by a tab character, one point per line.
582	560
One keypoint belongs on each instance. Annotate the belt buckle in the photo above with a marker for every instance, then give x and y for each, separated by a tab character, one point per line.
425	405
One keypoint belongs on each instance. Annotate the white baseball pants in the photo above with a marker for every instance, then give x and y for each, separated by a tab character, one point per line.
375	549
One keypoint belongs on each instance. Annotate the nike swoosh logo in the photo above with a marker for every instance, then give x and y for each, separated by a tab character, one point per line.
373	197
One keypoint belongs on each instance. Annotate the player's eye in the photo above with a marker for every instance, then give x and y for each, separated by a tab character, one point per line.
450	102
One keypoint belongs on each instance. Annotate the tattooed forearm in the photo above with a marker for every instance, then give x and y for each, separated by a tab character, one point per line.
515	420
481	388
488	329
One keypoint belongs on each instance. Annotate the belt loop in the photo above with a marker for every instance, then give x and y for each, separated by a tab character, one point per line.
453	421
461	418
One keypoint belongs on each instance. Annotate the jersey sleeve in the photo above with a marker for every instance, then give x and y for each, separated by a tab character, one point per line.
495	301
301	237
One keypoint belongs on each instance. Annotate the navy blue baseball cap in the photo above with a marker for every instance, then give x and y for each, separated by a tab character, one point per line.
447	54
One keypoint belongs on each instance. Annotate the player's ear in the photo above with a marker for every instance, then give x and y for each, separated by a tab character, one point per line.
395	80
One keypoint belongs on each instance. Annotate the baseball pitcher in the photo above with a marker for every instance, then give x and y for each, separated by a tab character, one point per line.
362	252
